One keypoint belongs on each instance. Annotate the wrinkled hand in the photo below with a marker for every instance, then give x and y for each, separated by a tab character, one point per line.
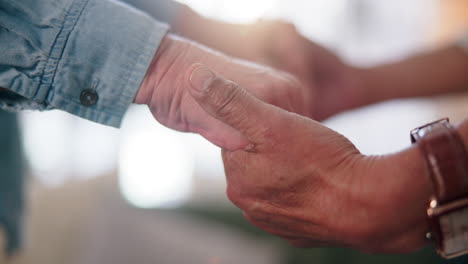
308	184
336	85
165	89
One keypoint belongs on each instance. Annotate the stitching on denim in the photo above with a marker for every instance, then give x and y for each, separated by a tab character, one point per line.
59	45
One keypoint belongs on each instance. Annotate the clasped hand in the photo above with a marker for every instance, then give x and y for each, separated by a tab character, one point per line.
308	184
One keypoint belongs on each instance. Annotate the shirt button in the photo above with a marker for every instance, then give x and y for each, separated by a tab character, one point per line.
89	97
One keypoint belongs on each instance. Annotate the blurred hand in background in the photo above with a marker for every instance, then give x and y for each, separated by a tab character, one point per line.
334	82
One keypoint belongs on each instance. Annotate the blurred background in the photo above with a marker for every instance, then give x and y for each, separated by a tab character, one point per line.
146	194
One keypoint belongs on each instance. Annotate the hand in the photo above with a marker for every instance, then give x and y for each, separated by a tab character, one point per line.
165	89
308	184
338	86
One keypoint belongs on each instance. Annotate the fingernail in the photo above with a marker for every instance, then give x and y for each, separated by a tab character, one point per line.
201	78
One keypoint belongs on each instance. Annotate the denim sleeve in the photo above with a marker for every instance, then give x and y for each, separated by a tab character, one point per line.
86	57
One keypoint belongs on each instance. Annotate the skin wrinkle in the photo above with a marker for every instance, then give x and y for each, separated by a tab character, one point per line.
163	74
175	106
224	102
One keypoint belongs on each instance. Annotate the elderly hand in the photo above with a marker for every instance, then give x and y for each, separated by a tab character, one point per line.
308	184
165	89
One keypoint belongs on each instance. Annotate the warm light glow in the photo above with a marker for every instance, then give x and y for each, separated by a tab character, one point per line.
60	147
236	11
156	168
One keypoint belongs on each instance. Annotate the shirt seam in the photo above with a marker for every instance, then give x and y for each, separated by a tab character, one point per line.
57	49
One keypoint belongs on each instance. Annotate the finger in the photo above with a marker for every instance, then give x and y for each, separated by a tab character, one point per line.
231	104
221	134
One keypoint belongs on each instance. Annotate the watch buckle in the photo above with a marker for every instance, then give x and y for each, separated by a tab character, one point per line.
434	212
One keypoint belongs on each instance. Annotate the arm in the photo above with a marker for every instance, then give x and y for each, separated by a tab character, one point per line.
239	40
433	73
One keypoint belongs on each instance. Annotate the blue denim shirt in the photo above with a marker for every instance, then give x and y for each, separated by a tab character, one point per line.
86	57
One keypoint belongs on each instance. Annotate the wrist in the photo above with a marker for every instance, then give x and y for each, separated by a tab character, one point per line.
168	52
396	199
410	166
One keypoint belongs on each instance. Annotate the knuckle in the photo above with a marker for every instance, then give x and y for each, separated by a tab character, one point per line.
224	99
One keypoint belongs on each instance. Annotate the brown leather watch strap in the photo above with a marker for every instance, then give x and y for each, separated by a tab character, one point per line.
446	159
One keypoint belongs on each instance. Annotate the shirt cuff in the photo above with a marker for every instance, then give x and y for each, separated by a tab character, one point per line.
96	64
104	61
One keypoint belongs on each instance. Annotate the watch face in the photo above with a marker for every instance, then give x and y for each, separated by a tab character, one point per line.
454	227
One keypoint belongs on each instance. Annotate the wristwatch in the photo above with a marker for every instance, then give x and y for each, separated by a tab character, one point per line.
446	161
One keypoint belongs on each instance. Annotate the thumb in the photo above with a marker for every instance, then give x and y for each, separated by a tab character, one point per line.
231	104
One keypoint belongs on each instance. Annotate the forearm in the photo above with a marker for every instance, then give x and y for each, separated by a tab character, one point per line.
232	39
439	72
